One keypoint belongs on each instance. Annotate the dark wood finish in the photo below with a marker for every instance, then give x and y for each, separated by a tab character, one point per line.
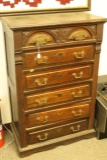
54	57
52	73
60	76
43	135
61	114
58	96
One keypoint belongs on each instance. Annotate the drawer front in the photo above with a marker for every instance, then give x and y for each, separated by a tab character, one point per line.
75	54
72	74
36	137
71	112
55	36
68	94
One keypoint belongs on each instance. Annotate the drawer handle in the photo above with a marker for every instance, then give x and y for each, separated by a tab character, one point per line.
45	119
44	138
43	102
75	130
38	60
41	84
77	77
76	96
40	40
77	114
77	56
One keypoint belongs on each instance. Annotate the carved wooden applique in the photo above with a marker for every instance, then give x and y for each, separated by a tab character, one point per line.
40	38
79	35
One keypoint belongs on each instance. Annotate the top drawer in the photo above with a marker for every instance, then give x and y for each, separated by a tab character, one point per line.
54	57
52	37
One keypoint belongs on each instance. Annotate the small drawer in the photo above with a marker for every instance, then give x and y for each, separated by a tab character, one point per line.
63	130
58	56
74	111
72	74
62	95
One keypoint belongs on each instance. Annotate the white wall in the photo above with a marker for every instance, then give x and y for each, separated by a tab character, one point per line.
99	7
4	96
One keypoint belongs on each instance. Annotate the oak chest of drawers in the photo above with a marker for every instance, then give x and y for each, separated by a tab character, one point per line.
52	65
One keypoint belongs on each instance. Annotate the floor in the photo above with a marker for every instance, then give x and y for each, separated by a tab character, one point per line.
87	149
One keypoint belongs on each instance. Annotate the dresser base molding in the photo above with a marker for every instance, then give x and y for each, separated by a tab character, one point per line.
50	144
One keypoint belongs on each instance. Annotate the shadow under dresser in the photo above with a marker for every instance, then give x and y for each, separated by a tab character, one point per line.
52	67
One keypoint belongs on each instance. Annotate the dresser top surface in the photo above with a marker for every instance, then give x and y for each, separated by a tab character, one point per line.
26	21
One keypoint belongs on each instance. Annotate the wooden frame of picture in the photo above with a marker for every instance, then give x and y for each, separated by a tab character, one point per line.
35	6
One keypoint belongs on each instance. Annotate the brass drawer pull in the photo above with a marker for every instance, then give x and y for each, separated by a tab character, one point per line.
75	130
39	61
43	102
76	55
76	96
40	40
77	77
77	114
44	138
45	119
41	84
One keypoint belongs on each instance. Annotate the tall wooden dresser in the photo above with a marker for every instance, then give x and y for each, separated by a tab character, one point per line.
52	64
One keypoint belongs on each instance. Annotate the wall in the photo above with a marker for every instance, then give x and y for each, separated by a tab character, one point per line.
4	96
99	8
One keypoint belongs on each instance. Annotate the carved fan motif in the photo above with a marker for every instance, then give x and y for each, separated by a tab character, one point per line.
41	38
80	34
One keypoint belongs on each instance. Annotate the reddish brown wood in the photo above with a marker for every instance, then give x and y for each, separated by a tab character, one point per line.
62	114
52	57
54	77
43	135
56	91
58	96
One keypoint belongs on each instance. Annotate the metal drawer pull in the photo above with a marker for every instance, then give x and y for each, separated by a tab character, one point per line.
38	61
77	55
40	40
77	114
42	102
75	130
45	119
77	77
41	84
42	139
76	96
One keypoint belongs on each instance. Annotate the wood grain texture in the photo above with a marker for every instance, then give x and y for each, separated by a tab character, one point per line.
52	94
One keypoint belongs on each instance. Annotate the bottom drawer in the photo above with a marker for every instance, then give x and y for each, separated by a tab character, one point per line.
40	136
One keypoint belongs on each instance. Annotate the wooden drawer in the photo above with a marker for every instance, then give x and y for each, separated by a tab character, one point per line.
52	57
72	74
36	137
72	93
54	36
74	111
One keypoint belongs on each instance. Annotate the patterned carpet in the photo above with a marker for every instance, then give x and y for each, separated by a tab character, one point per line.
87	149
